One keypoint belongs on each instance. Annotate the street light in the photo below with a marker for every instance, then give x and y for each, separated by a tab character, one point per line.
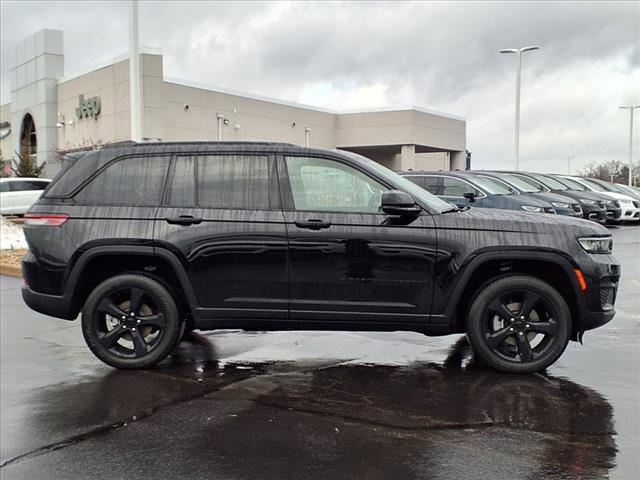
519	51
631	108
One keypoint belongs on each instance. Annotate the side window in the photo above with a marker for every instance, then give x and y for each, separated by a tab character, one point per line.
4	187
457	188
430	183
129	181
326	185
224	181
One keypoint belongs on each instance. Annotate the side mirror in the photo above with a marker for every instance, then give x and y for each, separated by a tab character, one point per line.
470	196
396	202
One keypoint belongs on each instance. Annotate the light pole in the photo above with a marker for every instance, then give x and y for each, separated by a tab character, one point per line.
631	108
135	86
519	51
569	165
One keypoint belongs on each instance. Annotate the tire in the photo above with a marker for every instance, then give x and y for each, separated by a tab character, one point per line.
515	311
131	338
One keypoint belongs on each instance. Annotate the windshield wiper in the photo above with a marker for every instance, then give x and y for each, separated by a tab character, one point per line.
452	209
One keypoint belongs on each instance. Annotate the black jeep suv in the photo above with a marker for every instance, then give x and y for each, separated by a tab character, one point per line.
150	241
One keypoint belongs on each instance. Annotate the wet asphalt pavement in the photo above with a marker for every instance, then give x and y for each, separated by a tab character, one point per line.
319	405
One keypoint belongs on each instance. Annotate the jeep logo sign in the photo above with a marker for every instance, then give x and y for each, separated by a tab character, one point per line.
89	107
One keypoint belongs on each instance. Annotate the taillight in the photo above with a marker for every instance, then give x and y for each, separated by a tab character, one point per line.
46	219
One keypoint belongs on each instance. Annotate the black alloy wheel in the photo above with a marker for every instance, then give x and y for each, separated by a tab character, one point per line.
131	321
519	324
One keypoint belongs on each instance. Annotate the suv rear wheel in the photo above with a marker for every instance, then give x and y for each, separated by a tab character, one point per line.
131	321
519	324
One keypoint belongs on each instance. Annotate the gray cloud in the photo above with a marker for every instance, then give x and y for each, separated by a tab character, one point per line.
365	54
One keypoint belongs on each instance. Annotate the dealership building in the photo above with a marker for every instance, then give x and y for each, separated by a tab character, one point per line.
51	112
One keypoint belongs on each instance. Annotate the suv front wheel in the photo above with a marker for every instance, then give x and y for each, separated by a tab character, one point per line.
519	324
131	321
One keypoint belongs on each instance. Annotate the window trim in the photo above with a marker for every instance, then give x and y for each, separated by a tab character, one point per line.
288	204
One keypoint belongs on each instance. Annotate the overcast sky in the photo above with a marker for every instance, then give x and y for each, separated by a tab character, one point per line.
442	56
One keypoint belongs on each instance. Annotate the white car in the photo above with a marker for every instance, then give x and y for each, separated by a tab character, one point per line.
17	194
630	212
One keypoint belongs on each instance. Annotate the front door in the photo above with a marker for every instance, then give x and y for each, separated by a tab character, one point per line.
221	214
348	260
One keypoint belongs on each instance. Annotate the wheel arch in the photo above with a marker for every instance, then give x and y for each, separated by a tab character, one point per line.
101	262
553	268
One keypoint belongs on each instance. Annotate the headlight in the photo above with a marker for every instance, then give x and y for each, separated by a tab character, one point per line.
586	201
626	202
531	208
610	203
560	205
596	244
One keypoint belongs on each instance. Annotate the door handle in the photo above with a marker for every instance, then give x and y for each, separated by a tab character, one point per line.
183	220
313	224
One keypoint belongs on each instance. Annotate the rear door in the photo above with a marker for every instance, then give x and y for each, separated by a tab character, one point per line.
221	215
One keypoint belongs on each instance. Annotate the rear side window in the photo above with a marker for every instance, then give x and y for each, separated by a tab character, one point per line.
224	181
4	187
129	181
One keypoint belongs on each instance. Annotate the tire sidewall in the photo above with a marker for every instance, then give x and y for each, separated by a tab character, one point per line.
490	292
165	302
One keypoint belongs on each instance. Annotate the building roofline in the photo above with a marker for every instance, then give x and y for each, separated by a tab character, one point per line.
107	63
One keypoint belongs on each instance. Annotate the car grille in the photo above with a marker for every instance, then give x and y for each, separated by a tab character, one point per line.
576	207
601	204
607	297
549	210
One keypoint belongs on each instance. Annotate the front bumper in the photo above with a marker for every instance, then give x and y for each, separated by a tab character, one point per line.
602	274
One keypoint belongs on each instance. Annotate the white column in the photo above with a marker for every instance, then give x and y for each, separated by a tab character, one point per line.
408	157
458	161
134	74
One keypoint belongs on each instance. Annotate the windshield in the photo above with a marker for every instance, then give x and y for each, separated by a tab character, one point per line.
492	186
405	184
549	182
572	184
521	184
595	185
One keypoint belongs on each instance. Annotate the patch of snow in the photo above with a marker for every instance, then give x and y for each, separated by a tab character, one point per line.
11	235
330	348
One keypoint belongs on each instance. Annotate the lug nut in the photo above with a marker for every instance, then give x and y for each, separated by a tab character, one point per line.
124	318
139	322
521	333
134	329
528	325
133	314
511	329
522	317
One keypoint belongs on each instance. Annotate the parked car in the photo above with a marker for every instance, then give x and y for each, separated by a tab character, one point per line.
629	202
614	199
463	188
17	194
593	205
562	205
629	190
153	240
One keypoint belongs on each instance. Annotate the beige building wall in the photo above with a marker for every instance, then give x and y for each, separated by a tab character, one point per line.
175	110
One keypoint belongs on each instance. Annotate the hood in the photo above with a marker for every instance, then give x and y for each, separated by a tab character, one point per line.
550	197
493	219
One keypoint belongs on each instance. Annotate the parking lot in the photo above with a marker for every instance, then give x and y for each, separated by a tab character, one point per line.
325	405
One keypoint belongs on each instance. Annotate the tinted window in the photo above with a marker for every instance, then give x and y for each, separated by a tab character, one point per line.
224	181
492	186
457	188
130	181
327	185
429	183
23	185
4	187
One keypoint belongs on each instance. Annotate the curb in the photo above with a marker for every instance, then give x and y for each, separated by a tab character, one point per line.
11	270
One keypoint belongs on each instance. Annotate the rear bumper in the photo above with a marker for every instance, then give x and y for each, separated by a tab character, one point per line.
52	305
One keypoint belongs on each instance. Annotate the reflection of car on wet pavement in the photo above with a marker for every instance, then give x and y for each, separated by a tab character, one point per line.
150	241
